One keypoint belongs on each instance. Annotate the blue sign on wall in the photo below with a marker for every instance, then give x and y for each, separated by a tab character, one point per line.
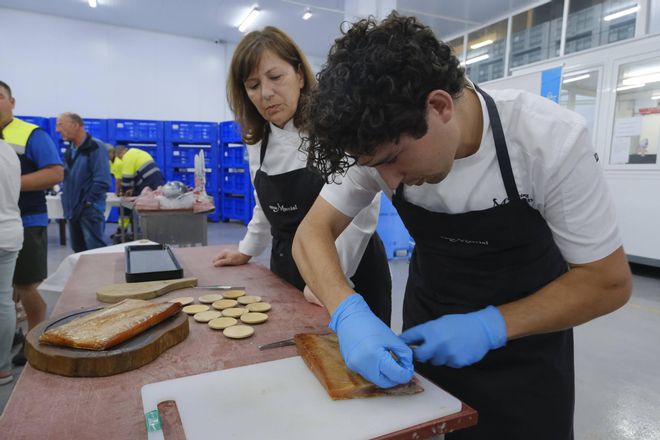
551	84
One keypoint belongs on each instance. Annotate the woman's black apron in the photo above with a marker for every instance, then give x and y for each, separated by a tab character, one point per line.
465	262
285	199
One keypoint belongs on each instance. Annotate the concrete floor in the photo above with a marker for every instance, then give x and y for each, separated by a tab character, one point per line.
617	357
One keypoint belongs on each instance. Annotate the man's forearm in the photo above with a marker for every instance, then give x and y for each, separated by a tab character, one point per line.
42	179
316	257
578	296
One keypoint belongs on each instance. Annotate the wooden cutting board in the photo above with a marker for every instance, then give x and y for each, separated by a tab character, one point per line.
146	290
128	355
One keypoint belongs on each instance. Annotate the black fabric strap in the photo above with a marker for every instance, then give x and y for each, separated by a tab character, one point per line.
500	146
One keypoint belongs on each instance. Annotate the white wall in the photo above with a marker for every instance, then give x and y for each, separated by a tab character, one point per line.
100	71
635	188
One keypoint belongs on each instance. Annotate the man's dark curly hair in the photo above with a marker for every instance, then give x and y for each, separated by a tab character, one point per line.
373	89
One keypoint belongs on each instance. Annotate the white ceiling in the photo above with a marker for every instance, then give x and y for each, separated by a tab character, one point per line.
217	19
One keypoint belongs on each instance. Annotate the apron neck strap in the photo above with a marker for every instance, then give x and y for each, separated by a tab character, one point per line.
500	146
264	143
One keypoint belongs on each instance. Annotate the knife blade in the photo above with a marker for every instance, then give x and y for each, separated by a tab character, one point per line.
277	344
220	287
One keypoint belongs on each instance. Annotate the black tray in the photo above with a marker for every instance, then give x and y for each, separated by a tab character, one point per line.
152	262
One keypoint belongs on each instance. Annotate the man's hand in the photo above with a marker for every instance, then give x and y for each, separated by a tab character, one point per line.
230	258
458	340
368	345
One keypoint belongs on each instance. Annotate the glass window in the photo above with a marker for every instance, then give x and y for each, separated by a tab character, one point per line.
636	133
486	48
592	23
457	46
579	92
536	34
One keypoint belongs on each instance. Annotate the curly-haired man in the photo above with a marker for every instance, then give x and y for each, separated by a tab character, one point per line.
516	237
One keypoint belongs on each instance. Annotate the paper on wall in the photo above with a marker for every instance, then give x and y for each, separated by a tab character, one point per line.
620	150
627	127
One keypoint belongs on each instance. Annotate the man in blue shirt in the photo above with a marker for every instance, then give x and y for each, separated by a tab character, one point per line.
41	168
86	181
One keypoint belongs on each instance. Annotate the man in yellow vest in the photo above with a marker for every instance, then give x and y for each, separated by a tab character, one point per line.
41	168
138	170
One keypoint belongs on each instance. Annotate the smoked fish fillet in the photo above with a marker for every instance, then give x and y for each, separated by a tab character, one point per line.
322	356
109	326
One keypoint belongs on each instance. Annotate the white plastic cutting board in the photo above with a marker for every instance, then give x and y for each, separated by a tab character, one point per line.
283	399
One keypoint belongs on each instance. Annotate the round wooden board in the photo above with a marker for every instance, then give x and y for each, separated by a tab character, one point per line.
129	355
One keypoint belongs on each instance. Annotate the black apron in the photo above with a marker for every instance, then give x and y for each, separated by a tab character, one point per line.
285	199
465	262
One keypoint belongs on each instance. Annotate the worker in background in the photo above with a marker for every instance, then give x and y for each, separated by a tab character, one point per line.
138	169
11	240
115	170
41	168
516	236
115	166
268	81
86	182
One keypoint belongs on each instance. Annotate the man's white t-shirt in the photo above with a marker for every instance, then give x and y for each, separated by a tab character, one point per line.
11	226
282	156
554	166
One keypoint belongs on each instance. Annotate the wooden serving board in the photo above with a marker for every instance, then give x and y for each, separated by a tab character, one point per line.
145	290
128	355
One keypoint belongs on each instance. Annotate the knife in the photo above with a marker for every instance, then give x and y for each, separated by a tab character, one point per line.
219	287
283	343
290	341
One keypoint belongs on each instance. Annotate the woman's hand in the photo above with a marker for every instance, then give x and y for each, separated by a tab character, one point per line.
230	258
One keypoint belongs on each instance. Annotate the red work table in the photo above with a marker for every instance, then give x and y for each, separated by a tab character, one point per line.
48	406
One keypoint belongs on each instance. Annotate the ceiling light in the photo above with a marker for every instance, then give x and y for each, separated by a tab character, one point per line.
656	97
477	59
307	14
481	44
651	78
634	86
249	18
622	13
91	3
575	78
642	71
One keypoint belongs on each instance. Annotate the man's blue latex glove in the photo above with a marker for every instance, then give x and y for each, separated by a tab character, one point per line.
367	344
458	340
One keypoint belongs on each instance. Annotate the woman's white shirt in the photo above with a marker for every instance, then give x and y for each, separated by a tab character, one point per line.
11	226
282	156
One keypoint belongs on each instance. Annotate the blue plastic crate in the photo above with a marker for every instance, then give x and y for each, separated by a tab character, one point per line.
237	208
230	131
181	131
134	130
216	215
36	120
235	181
98	128
233	155
185	156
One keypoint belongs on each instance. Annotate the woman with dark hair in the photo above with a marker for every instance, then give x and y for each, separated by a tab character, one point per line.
268	81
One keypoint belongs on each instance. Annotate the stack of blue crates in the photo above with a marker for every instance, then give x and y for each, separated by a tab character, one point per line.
235	195
398	242
36	120
141	134
183	140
